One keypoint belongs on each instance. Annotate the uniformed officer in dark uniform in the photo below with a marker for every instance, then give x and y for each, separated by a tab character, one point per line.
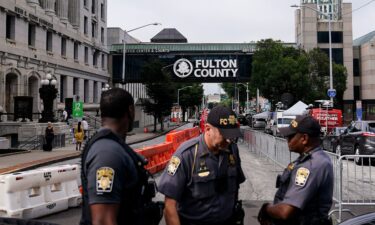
202	179
305	188
114	181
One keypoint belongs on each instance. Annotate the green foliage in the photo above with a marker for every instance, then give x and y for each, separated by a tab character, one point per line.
160	90
190	97
278	70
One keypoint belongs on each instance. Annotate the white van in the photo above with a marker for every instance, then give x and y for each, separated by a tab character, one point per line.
280	121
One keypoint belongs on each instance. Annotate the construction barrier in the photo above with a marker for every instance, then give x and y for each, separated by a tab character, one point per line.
39	192
157	156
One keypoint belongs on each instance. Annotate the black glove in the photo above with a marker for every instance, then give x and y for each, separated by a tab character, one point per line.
263	217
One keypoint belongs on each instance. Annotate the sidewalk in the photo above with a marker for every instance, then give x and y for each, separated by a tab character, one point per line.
36	158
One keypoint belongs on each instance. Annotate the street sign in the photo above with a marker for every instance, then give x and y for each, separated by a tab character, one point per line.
331	93
359	110
77	109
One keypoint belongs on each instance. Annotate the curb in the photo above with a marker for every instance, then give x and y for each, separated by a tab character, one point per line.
44	162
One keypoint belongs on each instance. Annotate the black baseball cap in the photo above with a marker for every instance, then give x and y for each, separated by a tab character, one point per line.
225	120
302	124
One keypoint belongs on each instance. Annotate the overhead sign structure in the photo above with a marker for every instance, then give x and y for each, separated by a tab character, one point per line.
214	68
78	109
331	93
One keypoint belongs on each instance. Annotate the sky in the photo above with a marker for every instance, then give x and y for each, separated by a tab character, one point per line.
219	21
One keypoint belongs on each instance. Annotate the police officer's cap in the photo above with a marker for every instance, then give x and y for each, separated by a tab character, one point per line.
225	120
302	124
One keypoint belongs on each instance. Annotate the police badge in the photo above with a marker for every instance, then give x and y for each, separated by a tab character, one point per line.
104	179
302	176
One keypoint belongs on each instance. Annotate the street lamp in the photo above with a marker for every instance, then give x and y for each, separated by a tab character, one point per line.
247	95
48	93
124	44
178	94
106	87
329	16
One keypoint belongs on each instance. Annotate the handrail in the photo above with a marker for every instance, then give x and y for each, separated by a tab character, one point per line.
33	141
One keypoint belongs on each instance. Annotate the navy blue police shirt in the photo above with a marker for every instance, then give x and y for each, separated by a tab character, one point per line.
110	172
307	184
205	190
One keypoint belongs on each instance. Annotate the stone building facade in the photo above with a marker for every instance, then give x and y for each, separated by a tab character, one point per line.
65	38
312	31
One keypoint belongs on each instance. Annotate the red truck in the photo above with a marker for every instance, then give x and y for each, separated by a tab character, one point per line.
328	118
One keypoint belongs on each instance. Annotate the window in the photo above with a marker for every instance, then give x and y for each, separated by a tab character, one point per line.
93	29
31	35
63	46
62	88
95	92
357	92
85	25
93	7
323	37
85	3
86	91
95	59
11	27
356	68
76	46
49	41
337	55
102	35
86	55
102	16
103	61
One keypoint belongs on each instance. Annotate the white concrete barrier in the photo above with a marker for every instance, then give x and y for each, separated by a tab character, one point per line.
4	143
39	192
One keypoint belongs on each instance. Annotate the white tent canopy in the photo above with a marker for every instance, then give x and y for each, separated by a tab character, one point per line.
297	109
263	115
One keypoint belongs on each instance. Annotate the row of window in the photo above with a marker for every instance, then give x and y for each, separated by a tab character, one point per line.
10	34
93	8
94	29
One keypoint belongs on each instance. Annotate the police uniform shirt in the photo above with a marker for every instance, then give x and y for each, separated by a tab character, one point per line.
110	171
311	183
202	196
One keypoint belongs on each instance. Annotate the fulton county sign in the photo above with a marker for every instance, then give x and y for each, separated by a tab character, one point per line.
206	68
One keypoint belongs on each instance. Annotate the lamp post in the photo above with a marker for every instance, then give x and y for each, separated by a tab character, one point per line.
106	87
178	94
329	16
48	93
247	95
124	46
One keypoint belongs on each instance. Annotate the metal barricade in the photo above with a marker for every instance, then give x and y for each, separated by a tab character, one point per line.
353	182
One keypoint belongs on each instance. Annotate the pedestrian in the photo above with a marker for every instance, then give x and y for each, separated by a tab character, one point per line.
49	136
65	116
79	135
85	126
116	187
305	188
201	181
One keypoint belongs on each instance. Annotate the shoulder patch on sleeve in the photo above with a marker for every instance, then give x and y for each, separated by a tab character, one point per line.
301	176
174	162
104	179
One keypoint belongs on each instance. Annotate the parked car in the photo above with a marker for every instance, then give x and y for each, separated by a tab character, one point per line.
366	219
259	123
330	140
357	139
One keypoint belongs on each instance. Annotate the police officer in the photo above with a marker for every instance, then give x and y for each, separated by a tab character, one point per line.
113	178
202	179
305	188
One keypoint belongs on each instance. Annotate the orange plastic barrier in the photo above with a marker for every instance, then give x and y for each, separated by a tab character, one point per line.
159	155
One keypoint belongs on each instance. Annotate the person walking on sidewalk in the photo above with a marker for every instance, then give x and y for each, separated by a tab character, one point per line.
305	189
49	136
79	135
85	126
202	179
115	184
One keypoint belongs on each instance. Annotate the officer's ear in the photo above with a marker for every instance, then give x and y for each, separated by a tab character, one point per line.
305	139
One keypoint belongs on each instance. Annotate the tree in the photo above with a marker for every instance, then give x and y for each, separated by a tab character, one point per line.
190	97
160	90
278	69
